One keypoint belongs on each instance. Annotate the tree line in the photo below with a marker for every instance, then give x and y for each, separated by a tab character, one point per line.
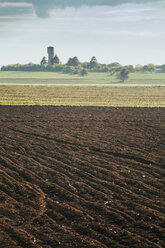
74	66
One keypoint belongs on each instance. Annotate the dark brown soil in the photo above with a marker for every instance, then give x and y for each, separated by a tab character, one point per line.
81	177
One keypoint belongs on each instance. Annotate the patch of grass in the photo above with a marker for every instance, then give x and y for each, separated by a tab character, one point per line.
9	77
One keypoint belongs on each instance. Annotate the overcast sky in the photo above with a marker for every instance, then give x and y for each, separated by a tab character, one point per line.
126	31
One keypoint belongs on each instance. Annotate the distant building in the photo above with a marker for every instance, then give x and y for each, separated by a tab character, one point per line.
158	70
50	51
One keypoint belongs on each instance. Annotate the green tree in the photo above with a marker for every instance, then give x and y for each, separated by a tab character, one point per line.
83	72
73	61
130	68
68	69
56	60
162	67
115	64
123	74
114	67
149	68
138	68
93	62
43	61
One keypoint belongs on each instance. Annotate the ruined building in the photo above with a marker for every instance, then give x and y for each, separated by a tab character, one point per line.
50	51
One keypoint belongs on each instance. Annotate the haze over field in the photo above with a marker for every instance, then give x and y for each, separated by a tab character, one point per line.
127	31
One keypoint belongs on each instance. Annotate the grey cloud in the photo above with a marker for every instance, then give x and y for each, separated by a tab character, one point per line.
14	11
43	7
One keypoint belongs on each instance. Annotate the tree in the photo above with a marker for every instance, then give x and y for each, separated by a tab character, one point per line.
93	63
43	61
130	68
123	74
114	67
56	60
83	72
149	68
163	68
73	62
115	64
138	68
68	69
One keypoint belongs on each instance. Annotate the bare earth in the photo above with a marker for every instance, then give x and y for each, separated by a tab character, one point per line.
81	177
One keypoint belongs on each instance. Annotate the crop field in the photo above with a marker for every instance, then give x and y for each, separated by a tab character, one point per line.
96	89
82	95
89	177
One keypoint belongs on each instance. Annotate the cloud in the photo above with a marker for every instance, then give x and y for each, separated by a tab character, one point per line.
8	10
43	8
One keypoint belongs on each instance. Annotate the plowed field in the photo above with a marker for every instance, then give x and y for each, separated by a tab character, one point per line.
81	177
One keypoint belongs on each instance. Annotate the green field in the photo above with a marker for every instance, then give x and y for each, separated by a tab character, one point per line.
96	89
9	77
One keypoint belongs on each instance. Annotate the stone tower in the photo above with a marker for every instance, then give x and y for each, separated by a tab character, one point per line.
50	55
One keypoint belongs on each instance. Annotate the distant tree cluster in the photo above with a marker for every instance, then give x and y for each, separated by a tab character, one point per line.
73	62
19	67
74	66
55	61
